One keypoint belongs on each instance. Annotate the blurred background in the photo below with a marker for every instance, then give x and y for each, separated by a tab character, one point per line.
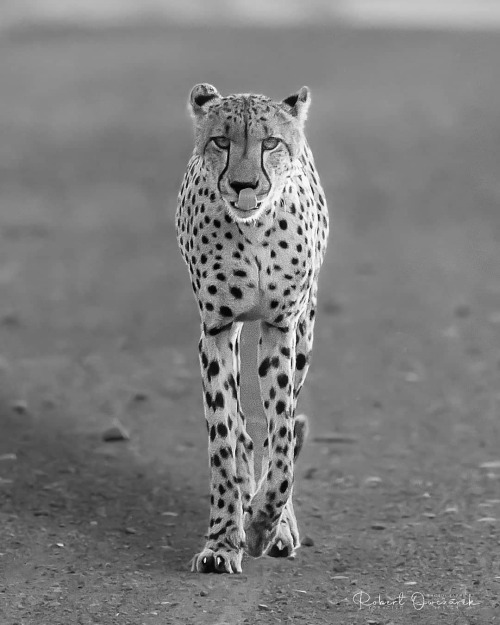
98	322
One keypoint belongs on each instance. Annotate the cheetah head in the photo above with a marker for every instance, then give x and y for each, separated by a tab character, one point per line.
249	145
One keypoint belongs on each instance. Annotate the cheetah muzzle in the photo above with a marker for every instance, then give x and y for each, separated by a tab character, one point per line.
252	227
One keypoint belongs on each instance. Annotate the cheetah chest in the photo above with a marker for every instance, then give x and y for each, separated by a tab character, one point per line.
257	272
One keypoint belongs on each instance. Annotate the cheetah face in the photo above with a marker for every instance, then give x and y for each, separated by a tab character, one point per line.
249	145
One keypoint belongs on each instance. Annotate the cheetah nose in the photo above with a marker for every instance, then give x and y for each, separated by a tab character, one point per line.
238	186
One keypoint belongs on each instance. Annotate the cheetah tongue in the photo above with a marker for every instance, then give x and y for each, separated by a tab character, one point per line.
247	199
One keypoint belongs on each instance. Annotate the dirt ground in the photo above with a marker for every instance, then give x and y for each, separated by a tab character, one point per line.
399	486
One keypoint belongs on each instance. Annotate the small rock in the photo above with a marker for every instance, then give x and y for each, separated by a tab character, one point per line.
378	526
203	593
307	541
487	519
335	437
169	513
115	433
310	472
412	376
5	457
10	319
429	515
462	311
140	396
130	530
493	464
19	407
264	607
373	480
332	307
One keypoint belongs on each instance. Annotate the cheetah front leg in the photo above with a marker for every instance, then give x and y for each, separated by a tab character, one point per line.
276	375
224	548
286	540
244	443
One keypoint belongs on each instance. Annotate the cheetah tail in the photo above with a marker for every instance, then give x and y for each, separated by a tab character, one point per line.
301	430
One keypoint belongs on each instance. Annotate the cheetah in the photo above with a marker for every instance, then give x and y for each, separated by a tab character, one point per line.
252	226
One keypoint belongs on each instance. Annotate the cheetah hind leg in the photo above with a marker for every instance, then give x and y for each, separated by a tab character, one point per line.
286	540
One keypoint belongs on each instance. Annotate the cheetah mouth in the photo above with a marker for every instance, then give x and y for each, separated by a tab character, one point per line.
235	206
245	213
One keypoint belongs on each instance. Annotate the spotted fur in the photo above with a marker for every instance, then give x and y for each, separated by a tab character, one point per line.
246	265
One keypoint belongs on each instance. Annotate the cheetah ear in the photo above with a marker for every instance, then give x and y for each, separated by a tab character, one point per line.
298	104
200	95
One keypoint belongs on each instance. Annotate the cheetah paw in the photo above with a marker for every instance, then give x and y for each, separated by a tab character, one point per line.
286	540
220	561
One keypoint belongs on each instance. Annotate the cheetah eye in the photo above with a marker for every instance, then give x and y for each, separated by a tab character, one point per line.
270	143
221	142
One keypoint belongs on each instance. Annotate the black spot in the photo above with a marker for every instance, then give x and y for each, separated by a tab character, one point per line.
212	433
213	369
221	277
264	367
283	244
280	407
220	503
241	273
283	431
216	460
283	486
301	361
282	380
222	430
212	289
232	384
285	351
274	303
218	401
272	392
236	292
230	508
283	224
